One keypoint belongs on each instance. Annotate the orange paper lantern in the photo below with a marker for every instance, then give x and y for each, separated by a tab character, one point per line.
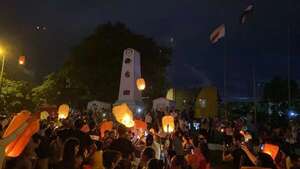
168	124
16	122
15	148
141	84
123	115
140	124
106	126
22	60
63	111
271	150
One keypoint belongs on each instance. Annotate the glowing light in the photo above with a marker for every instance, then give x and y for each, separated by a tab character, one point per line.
63	111
22	60
271	150
141	84
292	114
123	115
139	110
168	124
127	121
1	51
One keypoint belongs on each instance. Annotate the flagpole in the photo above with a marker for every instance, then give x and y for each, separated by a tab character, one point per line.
254	91
225	77
289	57
289	68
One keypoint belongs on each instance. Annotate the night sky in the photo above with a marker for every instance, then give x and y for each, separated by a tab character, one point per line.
263	40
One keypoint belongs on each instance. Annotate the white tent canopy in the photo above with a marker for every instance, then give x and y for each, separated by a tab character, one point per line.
163	104
97	106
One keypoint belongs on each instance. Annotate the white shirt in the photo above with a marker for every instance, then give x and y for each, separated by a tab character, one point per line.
156	148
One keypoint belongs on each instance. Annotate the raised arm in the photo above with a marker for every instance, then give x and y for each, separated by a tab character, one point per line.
251	156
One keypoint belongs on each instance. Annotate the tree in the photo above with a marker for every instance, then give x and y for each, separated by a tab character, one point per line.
277	90
15	95
93	70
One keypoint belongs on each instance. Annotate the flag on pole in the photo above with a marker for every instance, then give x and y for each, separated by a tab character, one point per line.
217	34
246	13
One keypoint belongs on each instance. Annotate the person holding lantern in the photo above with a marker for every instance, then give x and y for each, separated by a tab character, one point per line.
123	145
150	142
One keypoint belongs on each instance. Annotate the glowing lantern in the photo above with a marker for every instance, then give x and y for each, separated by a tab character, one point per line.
16	122
123	115
44	115
168	124
106	126
140	124
15	148
271	150
141	84
22	60
63	111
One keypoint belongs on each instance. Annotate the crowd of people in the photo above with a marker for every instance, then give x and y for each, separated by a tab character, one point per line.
192	145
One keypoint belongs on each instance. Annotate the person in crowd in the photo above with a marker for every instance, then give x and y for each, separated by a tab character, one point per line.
93	128
148	120
84	139
262	160
56	146
150	142
198	158
125	146
111	159
187	144
97	156
24	161
43	150
177	143
155	164
147	155
179	162
295	159
236	154
71	158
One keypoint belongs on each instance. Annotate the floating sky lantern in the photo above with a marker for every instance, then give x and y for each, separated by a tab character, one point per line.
44	115
22	60
63	111
123	115
168	124
141	84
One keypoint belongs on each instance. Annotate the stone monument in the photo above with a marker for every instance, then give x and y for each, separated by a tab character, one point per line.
131	71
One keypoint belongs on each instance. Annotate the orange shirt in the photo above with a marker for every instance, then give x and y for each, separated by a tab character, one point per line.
196	160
